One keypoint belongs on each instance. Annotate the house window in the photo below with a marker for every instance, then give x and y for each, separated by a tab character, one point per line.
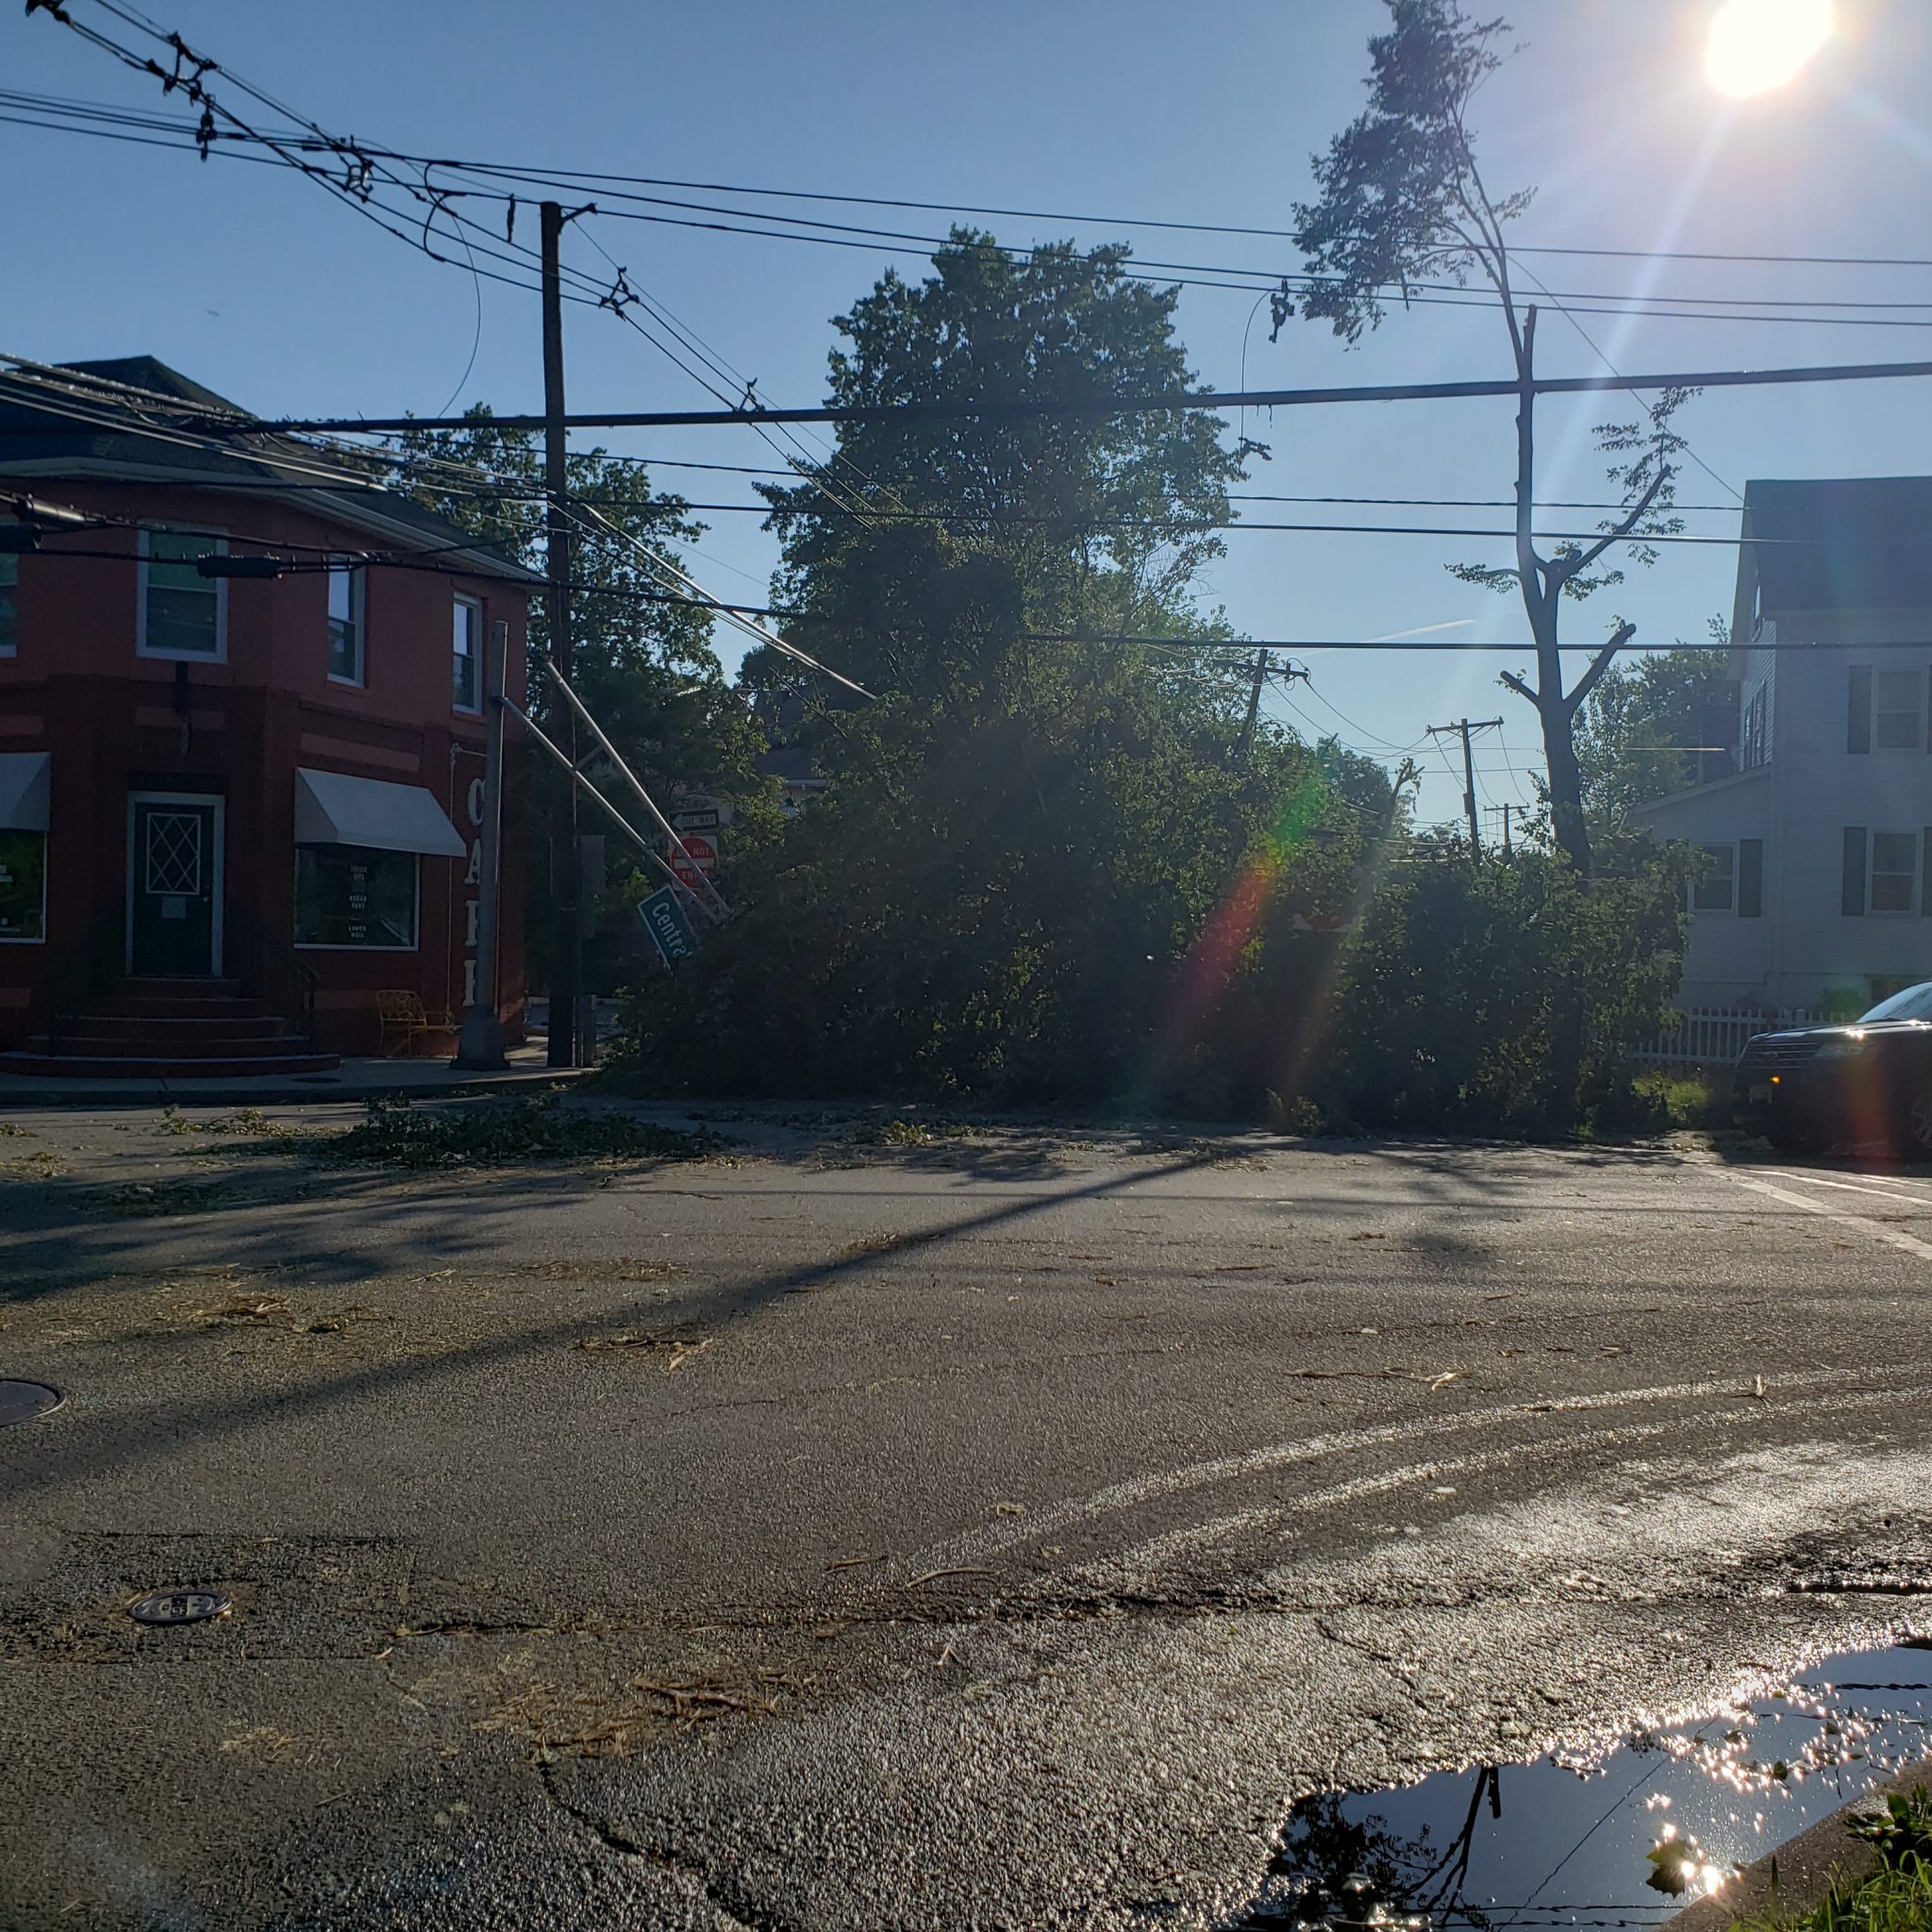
1883	871
1753	747
467	664
1716	887
23	886
10	603
352	895
345	583
1895	871
183	614
1897	700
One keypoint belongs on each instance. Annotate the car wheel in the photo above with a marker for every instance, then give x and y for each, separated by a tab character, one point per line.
1915	1126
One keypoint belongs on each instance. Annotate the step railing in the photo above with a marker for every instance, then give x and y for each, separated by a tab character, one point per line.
87	972
269	970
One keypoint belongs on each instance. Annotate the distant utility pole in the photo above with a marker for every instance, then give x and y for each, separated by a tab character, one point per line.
566	937
1464	728
1509	850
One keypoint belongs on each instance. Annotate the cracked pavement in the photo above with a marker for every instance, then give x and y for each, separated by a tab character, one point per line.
1002	1531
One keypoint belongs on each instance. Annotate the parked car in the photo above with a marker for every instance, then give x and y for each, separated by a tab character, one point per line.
1867	1079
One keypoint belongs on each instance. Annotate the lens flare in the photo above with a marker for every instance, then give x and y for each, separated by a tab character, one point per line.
1215	958
1755	46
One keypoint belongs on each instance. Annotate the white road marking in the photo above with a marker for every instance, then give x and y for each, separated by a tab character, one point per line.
993	1539
1895	1237
1886	1190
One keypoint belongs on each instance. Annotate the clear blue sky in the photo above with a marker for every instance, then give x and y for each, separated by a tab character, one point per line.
254	282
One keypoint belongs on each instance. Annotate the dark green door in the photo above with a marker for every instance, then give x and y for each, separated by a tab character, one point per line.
174	865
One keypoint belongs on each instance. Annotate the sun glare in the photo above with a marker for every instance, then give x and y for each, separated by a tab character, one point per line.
1755	46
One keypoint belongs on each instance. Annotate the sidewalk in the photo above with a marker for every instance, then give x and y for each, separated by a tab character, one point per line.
415	1079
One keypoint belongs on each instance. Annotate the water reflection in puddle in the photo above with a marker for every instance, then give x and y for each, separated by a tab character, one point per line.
1623	1840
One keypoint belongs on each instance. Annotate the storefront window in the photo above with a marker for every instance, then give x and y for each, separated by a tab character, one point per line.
351	896
23	885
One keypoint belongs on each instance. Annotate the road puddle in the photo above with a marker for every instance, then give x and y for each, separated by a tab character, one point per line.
1622	1838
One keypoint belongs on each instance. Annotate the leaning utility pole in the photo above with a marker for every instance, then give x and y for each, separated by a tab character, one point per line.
566	939
1288	674
1254	702
1464	728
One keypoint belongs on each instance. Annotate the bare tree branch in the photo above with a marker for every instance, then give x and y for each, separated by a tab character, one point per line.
1517	685
1599	664
1565	568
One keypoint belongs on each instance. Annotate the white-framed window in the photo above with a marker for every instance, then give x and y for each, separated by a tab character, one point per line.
1884	871
1898	715
466	665
1715	889
346	662
1895	876
181	612
10	603
355	898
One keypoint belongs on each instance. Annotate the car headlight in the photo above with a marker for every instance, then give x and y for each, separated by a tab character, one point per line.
1844	1048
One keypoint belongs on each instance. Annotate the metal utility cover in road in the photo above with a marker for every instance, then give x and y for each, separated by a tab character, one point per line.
179	1606
670	930
21	1401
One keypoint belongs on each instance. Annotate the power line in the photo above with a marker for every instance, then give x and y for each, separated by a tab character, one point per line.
1144	640
594	179
1131	406
1662	307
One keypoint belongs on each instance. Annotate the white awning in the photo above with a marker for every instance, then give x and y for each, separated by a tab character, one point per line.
22	791
332	808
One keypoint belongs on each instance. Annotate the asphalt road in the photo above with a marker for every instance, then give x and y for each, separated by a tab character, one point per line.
996	1533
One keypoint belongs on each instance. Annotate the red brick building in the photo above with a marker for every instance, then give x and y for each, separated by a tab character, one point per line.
234	811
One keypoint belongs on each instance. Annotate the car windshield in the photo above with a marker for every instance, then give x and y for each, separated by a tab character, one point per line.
1914	1002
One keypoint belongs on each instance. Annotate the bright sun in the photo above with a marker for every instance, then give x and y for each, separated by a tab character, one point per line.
1755	46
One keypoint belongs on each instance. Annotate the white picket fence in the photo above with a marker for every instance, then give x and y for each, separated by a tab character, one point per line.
1713	1036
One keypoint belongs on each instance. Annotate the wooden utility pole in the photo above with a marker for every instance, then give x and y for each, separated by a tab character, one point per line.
1464	729
1288	674
480	1044
1248	723
566	939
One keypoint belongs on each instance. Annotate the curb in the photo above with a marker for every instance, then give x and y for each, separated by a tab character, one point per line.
1800	1874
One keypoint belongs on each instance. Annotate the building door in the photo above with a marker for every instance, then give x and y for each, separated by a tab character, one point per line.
173	885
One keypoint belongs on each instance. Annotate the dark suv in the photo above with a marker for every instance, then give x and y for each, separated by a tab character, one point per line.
1867	1079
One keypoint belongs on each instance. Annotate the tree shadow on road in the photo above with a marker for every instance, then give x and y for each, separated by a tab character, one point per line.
95	1443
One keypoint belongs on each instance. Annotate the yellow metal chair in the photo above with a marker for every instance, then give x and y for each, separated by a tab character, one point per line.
405	1021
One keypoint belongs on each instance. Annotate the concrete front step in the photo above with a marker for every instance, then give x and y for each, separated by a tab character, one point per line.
80	1041
177	986
127	1005
122	1029
64	1066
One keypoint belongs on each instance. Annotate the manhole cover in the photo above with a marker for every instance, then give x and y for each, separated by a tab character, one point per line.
21	1401
179	1606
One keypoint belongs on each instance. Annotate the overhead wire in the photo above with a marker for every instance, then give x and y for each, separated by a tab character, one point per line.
593	180
1702	307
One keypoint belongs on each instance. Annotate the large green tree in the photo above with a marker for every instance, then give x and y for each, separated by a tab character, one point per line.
1403	201
1006	885
1649	728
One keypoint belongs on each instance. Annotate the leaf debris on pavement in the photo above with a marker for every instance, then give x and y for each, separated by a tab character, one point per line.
675	1349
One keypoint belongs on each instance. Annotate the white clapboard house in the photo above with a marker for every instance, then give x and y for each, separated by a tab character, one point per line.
1818	894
